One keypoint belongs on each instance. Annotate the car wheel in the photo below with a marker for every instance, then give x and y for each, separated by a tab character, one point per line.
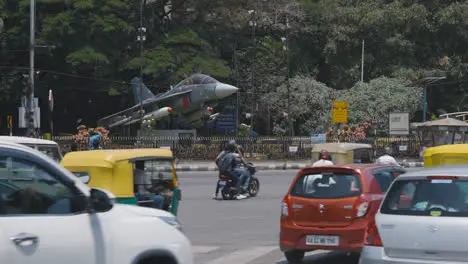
295	256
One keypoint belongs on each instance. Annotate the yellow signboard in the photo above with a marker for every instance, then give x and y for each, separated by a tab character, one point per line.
340	112
10	121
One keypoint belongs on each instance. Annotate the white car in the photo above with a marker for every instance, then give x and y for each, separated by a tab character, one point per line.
47	215
48	147
423	219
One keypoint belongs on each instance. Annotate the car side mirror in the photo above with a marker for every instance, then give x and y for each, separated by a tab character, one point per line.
101	200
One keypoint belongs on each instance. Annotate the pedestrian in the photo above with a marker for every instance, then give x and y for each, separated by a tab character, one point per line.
94	141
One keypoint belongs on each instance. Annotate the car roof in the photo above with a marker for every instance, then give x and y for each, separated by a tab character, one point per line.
460	170
355	166
340	147
14	145
27	140
44	157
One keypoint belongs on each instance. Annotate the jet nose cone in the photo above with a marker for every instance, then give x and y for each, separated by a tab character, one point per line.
224	90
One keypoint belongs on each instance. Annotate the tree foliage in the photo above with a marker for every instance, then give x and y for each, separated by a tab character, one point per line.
374	101
316	43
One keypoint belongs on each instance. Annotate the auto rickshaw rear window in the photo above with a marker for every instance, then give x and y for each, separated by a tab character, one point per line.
327	186
427	197
159	169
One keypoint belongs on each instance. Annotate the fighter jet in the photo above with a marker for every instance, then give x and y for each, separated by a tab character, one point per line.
193	99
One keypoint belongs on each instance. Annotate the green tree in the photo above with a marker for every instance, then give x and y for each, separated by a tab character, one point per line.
373	101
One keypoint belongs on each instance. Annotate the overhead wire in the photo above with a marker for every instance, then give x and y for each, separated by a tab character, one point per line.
439	83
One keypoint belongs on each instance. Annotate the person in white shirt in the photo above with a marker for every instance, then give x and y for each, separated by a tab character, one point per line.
324	159
142	182
387	159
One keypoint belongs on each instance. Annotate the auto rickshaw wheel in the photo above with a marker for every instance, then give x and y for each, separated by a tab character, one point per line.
294	256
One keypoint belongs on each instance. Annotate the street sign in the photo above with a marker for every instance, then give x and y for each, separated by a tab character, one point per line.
340	112
399	124
226	122
10	121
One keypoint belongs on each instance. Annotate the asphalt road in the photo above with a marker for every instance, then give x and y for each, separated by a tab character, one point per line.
239	232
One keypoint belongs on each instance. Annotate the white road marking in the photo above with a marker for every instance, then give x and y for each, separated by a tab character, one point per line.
203	249
243	256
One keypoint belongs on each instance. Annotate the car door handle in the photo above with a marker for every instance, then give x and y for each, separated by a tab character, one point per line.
24	239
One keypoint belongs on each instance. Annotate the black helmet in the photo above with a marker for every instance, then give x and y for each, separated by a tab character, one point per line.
231	146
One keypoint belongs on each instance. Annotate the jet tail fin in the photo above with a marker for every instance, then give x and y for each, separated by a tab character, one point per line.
145	92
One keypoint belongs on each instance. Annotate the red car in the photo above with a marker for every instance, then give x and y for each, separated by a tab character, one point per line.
329	207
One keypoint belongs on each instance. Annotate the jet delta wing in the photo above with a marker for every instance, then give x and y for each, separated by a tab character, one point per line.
189	98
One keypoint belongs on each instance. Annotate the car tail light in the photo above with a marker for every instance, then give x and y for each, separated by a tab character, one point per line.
285	207
442	177
372	237
361	207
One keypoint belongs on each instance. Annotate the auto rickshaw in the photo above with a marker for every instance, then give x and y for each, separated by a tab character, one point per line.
345	153
446	155
113	170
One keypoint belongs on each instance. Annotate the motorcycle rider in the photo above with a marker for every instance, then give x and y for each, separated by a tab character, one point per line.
324	159
246	180
387	159
223	151
229	156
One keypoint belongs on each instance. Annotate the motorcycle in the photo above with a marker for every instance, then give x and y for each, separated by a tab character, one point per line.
228	184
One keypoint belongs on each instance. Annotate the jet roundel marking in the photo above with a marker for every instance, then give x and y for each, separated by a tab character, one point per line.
185	100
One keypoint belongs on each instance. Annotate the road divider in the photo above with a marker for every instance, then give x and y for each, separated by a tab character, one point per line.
275	166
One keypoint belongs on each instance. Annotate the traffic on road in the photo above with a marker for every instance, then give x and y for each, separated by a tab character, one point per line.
245	231
361	213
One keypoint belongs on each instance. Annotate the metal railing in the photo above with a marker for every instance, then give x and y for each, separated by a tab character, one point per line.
259	148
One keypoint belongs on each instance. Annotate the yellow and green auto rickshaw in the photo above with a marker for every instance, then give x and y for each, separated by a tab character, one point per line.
446	155
345	153
113	170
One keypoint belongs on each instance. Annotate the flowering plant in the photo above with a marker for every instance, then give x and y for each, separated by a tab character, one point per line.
349	133
81	138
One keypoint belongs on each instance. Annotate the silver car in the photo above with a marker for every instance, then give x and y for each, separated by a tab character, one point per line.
422	219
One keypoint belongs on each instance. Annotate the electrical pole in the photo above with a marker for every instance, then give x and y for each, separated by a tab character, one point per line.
29	111
253	24
424	117
362	62
141	38
288	79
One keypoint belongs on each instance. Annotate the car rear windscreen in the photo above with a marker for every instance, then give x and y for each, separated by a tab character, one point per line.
431	197
327	186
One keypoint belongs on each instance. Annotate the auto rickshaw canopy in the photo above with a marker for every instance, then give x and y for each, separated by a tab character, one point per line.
113	169
446	155
445	131
345	153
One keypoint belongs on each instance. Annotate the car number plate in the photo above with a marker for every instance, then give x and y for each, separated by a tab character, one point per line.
315	240
222	183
